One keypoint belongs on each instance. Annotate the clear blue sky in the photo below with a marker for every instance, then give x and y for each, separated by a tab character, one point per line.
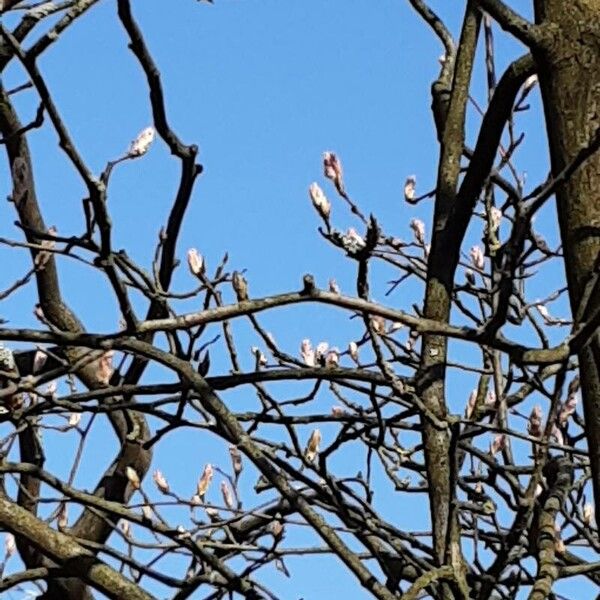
263	87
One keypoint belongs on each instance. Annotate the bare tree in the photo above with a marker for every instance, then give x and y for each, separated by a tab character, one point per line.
506	481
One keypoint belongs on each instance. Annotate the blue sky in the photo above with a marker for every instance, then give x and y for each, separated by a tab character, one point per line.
263	87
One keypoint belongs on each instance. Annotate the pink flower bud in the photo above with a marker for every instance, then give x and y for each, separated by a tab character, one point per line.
307	353
353	350
160	481
147	512
133	477
319	200
204	481
568	408
498	444
142	142
195	261
534	425
352	241
588	514
321	350
378	324
312	448
338	411
556	436
126	528
419	229
410	186
332	169
276	528
227	495
236	459
477	257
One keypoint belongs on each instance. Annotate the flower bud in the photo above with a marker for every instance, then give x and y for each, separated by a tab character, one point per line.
353	350
307	353
74	419
204	481
133	477
195	261
332	359
161	483
236	459
312	448
477	257
418	228
332	169
588	514
498	444
9	545
227	495
334	288
142	142
534	425
319	200
410	186
240	286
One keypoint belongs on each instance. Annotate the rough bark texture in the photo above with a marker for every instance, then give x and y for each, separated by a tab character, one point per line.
569	72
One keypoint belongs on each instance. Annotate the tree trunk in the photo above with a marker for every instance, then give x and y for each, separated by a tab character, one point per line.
569	73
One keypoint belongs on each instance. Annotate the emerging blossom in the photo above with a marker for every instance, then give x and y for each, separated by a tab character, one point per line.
196	500
332	359
236	459
142	142
195	261
534	425
498	444
307	353
147	512
410	186
353	351
204	481
334	288
477	257
74	419
104	368
161	483
9	545
396	326
352	241
319	200
312	448
240	286
321	351
332	169
227	495
588	514
133	477
419	229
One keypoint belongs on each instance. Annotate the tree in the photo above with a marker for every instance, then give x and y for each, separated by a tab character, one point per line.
507	482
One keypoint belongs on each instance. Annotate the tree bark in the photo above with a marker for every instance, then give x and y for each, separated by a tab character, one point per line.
569	73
